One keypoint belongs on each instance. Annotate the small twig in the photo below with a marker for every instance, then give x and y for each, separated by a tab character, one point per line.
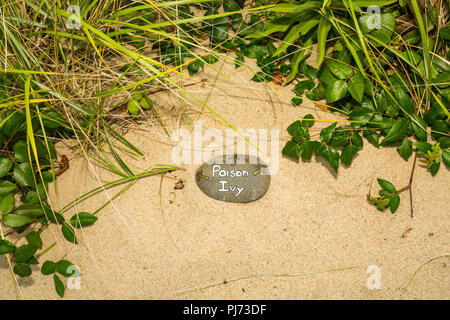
409	186
181	292
420	267
63	166
46	250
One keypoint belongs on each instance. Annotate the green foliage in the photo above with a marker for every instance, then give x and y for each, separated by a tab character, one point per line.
19	176
383	92
48	267
22	270
82	219
392	87
69	233
63	266
59	285
388	196
6	247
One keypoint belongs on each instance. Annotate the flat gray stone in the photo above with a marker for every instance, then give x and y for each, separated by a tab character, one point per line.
233	178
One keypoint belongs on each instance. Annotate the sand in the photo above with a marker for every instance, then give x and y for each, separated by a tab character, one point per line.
312	236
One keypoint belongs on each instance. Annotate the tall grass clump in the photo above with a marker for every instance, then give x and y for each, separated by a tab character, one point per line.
79	71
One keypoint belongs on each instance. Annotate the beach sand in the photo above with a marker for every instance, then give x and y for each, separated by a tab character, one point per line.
312	236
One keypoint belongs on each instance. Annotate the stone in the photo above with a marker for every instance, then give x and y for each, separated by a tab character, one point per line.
234	178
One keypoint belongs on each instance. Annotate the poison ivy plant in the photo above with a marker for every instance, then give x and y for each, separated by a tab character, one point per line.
388	196
380	92
24	179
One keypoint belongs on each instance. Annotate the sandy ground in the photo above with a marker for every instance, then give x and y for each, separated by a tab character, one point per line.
312	236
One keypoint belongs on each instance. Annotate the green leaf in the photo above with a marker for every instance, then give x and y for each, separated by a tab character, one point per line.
371	136
51	215
367	3
419	126
48	267
327	133
297	131
82	219
348	153
15	221
291	150
239	61
69	233
256	51
296	7
260	77
22	270
59	285
6	247
63	266
422	146
297	100
445	33
322	33
21	151
405	149
6	204
386	185
357	87
326	76
5	165
32	260
32	210
24	252
405	101
339	69
397	132
230	6
339	140
306	122
444	142
133	107
306	150
6	187
332	156
362	115
439	127
318	147
394	201
435	168
318	93
384	34
336	91
300	87
195	66
40	190
23	175
279	25
446	157
295	32
299	56
356	139
34	239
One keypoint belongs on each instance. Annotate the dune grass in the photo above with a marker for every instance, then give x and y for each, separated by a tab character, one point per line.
81	73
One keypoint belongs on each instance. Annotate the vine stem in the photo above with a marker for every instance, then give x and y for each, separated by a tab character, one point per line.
409	186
